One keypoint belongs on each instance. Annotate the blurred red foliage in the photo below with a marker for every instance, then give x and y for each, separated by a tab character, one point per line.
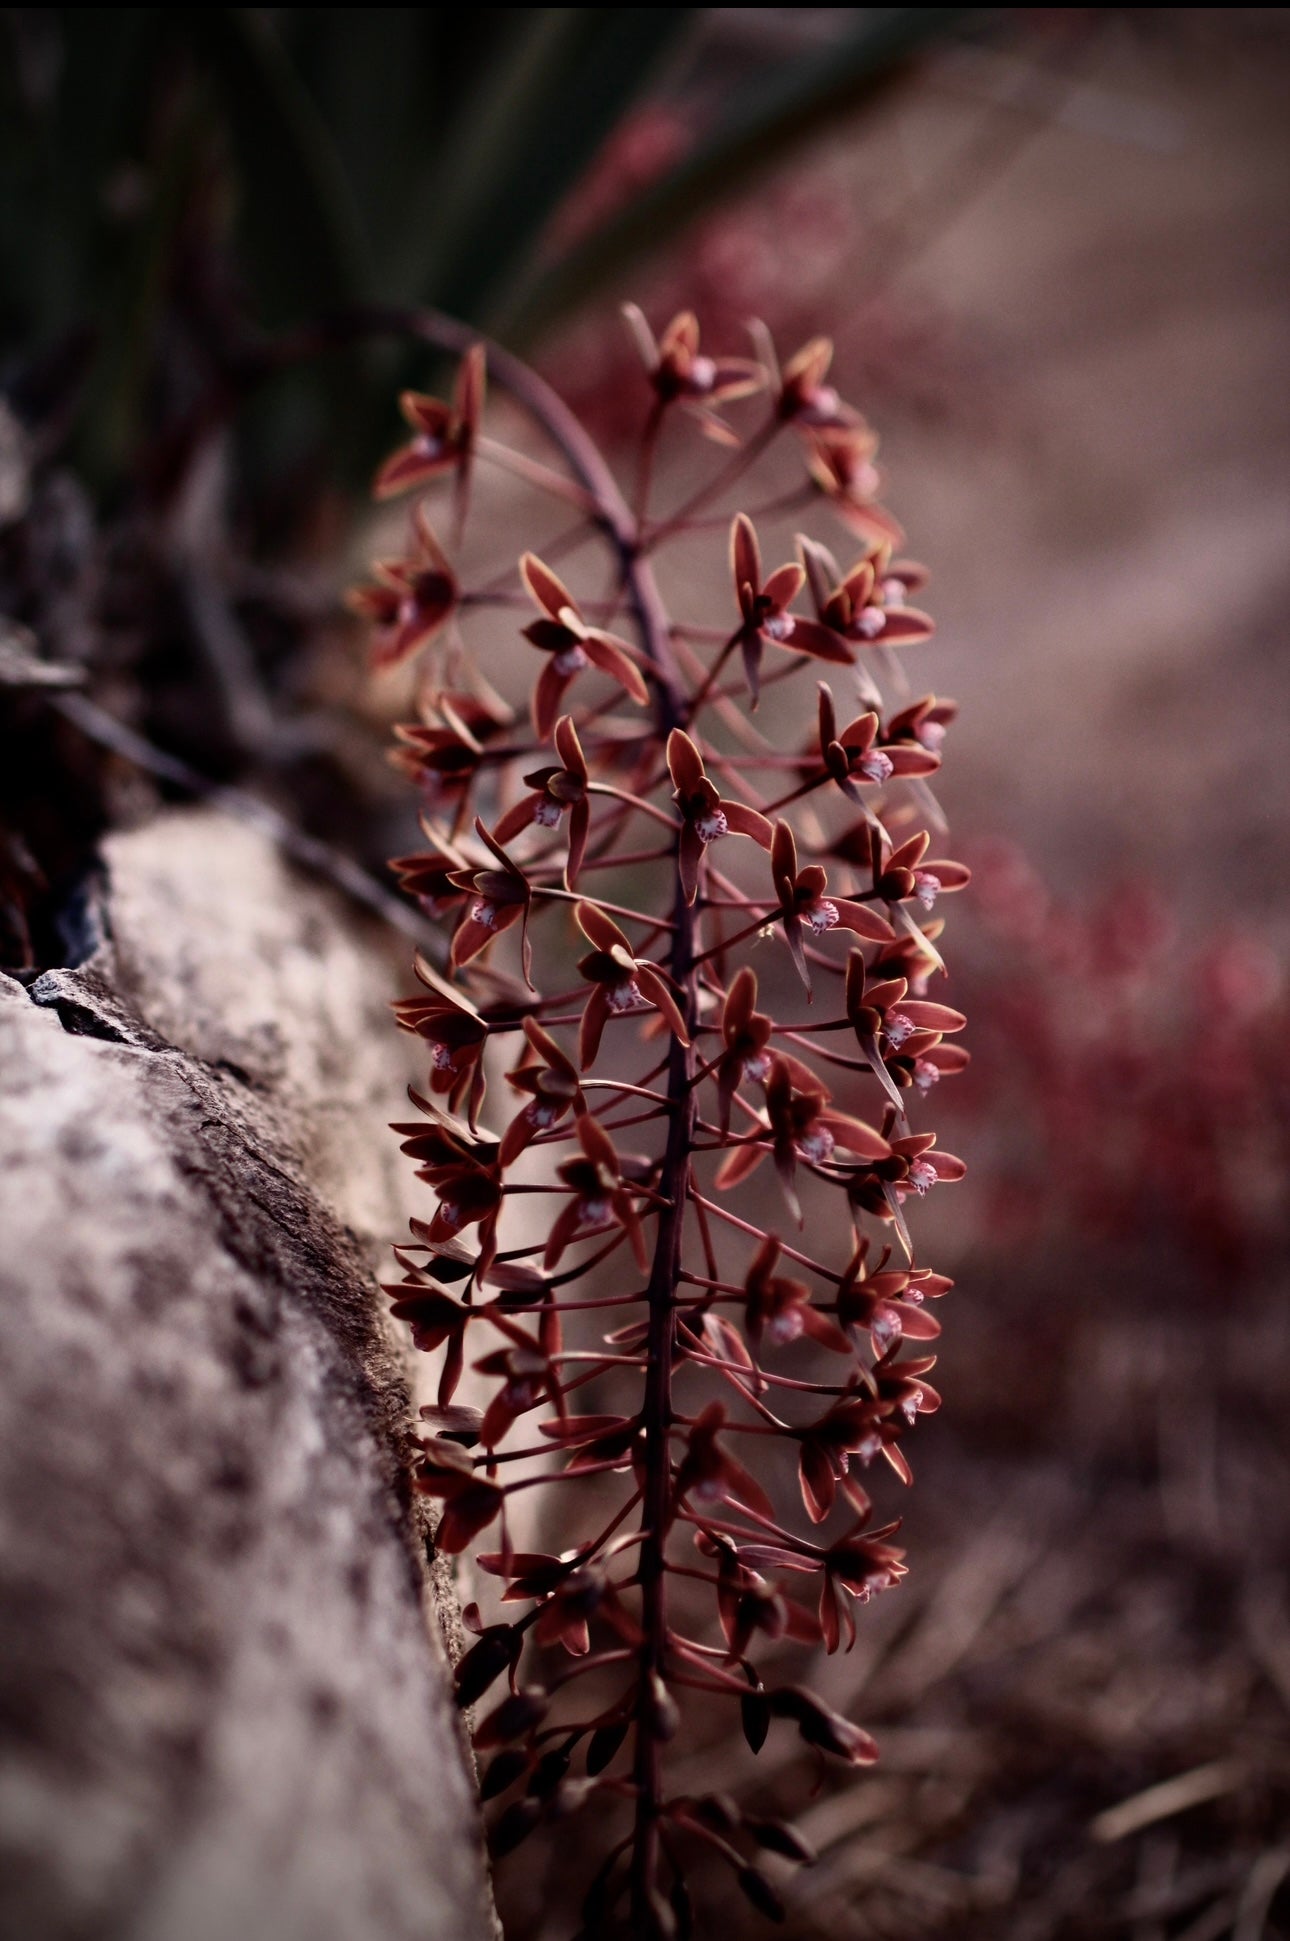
1132	1084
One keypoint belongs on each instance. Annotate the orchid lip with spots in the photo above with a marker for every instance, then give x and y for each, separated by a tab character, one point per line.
668	1221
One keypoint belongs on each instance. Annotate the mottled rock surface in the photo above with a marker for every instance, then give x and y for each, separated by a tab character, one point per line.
224	1698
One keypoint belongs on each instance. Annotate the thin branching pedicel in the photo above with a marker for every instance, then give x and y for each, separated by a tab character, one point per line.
691	922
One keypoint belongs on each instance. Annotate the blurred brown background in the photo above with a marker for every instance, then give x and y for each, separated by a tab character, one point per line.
1056	271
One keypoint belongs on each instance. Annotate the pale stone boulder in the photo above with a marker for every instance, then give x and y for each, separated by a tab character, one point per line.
223	1681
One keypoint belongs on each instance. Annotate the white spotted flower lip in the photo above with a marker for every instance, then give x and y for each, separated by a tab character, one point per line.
819	915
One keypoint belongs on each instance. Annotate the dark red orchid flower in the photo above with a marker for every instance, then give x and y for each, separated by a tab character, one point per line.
444	756
897	1033
779	1308
912	1166
745	1034
925	1167
444	435
556	791
681	373
527	1377
855	1568
501	897
438	1319
428	875
887	1305
804	397
463	1170
904	1393
924	722
553	1088
456	1033
746	1603
861	1426
912	953
840	459
853	1427
901	874
821	1727
621	983
706	816
869	604
569	1590
572	645
859	1565
470	1502
709	1474
802	1125
434	1316
806	909
600	1196
860	753
764	606
927	1067
410	600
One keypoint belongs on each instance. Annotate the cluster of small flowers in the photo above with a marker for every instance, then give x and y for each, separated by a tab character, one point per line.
646	758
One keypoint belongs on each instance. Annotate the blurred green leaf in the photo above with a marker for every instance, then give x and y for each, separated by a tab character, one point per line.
763	121
376	80
302	230
71	103
518	139
397	154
